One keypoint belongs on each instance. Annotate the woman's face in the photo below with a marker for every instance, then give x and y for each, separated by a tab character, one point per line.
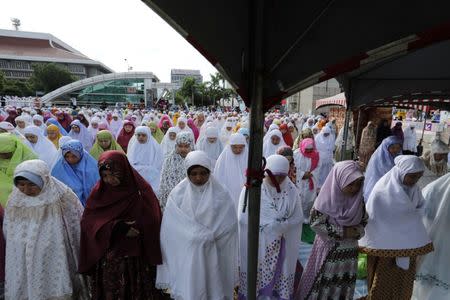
412	178
128	128
142	138
198	175
291	129
172	136
354	187
309	150
212	140
283	131
38	123
52	135
183	149
94	125
31	138
28	188
278	178
153	129
76	129
275	140
71	158
181	124
395	149
166	125
20	124
237	149
108	177
104	143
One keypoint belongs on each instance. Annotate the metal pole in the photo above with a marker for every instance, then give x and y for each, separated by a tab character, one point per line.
358	127
345	135
256	136
347	121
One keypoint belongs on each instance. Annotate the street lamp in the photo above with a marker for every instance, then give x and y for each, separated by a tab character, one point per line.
129	68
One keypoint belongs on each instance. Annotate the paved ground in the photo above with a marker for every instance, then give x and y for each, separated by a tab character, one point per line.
361	286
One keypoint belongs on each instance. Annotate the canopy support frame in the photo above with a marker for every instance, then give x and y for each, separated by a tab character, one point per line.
256	83
348	114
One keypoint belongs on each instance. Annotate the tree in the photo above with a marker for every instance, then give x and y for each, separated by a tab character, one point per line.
50	76
15	87
189	89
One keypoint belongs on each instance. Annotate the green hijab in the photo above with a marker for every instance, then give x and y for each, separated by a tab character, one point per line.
158	135
9	143
97	150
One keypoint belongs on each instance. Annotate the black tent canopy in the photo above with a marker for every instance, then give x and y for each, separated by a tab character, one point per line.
304	42
270	49
416	77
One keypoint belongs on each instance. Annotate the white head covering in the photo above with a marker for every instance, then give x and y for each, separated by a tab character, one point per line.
230	168
23	119
280	230
50	220
93	131
199	226
268	147
433	269
224	133
42	126
278	164
325	143
44	148
146	158
272	127
395	220
115	125
83	136
167	145
213	150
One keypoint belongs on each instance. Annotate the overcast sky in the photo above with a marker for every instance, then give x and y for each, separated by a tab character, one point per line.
109	31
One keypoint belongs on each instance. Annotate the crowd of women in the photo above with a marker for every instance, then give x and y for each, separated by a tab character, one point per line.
145	205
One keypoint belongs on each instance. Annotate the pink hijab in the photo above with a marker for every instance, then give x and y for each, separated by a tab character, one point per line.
314	156
194	128
164	118
343	210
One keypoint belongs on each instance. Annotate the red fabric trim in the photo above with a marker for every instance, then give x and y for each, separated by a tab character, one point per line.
342	67
431	36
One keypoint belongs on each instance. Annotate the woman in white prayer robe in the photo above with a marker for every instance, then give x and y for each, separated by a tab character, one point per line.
211	144
226	131
42	146
169	140
279	238
410	140
273	142
307	161
433	275
325	146
231	165
42	232
145	156
395	234
199	238
38	121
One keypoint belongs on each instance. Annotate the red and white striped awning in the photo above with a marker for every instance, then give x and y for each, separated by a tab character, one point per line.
338	99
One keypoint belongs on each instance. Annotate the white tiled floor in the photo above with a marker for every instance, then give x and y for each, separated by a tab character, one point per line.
361	286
